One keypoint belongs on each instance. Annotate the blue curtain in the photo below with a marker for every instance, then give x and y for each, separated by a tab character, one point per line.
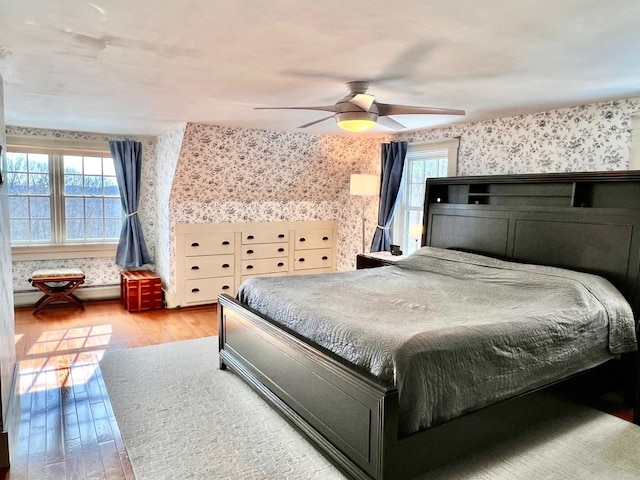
127	158
393	155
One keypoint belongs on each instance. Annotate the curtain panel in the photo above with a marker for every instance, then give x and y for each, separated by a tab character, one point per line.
393	155
127	159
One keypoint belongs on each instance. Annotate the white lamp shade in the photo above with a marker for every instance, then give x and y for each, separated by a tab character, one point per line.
363	184
415	231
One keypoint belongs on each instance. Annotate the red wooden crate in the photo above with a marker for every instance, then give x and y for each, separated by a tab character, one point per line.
140	290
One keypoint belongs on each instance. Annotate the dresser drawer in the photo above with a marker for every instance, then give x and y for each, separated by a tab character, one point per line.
264	265
269	235
313	238
265	250
309	259
206	290
271	274
208	266
208	244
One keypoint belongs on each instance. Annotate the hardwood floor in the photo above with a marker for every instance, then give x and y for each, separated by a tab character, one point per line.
66	428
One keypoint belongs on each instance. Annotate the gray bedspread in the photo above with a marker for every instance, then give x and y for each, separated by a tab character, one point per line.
454	331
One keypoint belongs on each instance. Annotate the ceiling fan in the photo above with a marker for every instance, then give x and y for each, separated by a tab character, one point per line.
358	111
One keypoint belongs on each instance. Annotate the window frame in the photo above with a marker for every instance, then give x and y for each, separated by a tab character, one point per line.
420	151
58	248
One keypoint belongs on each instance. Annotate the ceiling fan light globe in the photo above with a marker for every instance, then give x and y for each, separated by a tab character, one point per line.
356	121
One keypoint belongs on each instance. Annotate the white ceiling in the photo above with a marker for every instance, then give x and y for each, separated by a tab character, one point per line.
143	66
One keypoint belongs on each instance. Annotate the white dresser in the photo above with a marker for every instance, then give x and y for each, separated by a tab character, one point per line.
216	258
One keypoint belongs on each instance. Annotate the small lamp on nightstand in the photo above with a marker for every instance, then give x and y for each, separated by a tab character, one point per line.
415	233
363	185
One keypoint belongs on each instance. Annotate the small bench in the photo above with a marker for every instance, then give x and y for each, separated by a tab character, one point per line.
71	278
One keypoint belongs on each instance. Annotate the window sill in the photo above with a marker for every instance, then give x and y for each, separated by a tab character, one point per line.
62	252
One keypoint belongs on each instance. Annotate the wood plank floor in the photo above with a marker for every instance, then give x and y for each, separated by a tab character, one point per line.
66	428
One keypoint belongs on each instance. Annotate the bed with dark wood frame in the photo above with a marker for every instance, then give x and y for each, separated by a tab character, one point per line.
582	221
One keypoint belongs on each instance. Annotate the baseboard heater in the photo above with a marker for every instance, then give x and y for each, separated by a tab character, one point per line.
26	298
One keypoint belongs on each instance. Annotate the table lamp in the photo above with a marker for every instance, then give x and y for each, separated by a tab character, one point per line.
363	185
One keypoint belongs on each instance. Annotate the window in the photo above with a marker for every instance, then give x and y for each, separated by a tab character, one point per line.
62	196
424	160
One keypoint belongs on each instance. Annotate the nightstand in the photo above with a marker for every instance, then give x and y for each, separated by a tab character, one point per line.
376	259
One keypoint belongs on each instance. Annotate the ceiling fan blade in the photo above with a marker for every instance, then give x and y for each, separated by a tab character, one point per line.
325	108
363	100
390	123
390	109
315	121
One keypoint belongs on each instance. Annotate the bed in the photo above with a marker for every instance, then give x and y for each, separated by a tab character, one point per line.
360	408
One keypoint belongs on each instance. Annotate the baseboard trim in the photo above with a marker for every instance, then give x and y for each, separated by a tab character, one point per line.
102	292
4	449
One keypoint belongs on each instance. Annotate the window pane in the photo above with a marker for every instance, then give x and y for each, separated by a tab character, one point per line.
416	198
113	208
19	230
39	183
92	185
417	172
73	185
74	207
75	229
110	186
39	162
95	229
18	207
108	167
18	183
112	228
72	164
16	162
40	207
92	165
40	230
94	208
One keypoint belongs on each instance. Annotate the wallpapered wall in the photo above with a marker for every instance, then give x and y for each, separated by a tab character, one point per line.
99	271
239	175
7	329
219	174
168	150
584	138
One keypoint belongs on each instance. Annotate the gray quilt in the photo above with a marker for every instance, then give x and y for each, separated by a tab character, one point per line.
454	331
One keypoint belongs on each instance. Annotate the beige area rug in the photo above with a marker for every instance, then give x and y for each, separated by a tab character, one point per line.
182	418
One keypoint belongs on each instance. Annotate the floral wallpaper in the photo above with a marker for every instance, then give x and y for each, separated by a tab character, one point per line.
240	175
168	148
593	137
99	271
202	173
7	328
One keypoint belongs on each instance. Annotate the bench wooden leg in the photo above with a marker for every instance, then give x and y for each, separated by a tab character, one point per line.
62	293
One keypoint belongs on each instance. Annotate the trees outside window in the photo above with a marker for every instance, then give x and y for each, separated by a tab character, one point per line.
58	198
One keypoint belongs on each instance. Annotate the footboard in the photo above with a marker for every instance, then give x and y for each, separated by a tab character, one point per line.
345	414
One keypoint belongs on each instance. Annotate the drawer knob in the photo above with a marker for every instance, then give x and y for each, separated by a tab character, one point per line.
281	235
302	239
325	238
249	267
325	258
281	250
195	267
301	260
249	252
225	265
226	287
226	242
280	264
195	290
195	244
250	237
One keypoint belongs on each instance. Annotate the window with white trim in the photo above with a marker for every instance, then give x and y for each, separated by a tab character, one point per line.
424	160
61	196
